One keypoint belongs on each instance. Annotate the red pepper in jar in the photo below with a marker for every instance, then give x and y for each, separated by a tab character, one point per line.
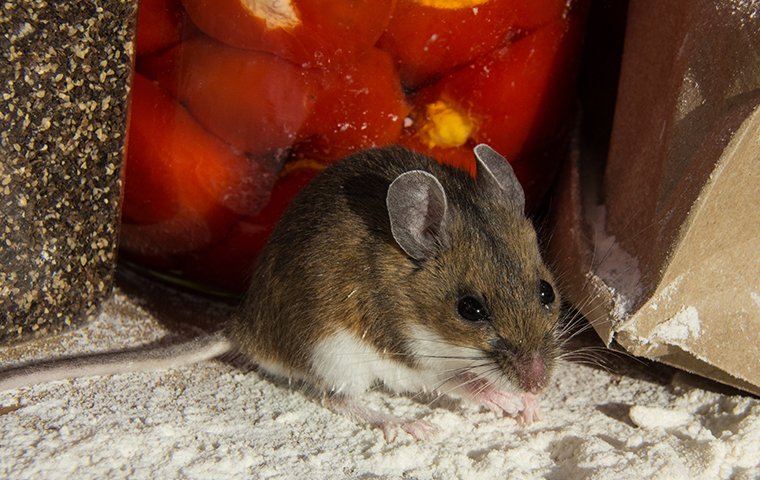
356	105
184	187
429	38
255	101
229	262
160	25
306	82
515	99
312	32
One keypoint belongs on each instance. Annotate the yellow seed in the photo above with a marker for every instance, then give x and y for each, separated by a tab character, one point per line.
445	126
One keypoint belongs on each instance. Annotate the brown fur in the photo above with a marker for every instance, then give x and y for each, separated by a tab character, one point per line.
332	263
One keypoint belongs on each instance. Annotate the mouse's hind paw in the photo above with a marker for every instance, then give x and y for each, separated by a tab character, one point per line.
420	430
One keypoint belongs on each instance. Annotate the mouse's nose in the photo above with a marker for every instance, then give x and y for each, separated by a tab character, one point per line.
532	373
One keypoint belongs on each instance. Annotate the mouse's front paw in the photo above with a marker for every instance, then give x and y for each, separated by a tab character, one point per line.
530	412
524	406
502	402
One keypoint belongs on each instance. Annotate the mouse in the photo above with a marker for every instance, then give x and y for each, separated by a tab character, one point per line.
390	270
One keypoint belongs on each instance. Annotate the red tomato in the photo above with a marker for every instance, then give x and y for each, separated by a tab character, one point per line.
357	105
228	264
182	185
431	37
253	100
304	31
160	25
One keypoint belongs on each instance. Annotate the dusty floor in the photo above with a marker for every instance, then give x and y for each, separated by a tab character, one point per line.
213	420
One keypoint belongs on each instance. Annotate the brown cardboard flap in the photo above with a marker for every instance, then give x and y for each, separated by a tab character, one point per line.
707	304
668	265
704	315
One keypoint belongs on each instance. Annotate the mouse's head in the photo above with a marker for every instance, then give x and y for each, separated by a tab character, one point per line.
485	303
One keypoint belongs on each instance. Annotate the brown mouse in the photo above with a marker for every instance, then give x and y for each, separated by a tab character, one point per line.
389	268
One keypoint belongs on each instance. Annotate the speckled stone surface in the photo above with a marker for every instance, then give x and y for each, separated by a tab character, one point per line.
64	80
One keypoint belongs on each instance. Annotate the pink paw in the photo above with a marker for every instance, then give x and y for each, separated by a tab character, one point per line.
419	430
530	412
389	424
502	402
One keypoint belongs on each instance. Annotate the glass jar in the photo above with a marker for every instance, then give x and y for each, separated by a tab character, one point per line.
237	104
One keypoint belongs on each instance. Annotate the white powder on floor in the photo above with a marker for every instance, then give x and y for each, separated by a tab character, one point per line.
213	421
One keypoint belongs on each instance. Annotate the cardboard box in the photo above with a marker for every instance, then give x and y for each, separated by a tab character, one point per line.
660	247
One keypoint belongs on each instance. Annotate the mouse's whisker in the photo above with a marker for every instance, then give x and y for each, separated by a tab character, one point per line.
452	357
597	357
473	378
440	393
445	343
492	376
589	362
595	316
482	388
372	357
565	327
436	389
468	368
573	331
600	352
574	325
457	373
576	316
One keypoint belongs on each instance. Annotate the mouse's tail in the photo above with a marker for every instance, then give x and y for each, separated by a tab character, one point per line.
108	363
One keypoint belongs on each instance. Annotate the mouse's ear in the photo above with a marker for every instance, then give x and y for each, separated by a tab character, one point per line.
495	171
417	209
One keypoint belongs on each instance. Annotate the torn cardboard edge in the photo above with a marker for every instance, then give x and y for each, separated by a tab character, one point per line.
702	313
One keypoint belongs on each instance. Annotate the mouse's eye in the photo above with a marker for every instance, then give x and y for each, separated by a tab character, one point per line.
470	308
545	293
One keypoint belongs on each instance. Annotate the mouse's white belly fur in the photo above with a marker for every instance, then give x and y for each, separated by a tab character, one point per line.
347	364
350	366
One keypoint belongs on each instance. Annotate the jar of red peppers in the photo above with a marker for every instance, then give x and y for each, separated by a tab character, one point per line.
237	104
